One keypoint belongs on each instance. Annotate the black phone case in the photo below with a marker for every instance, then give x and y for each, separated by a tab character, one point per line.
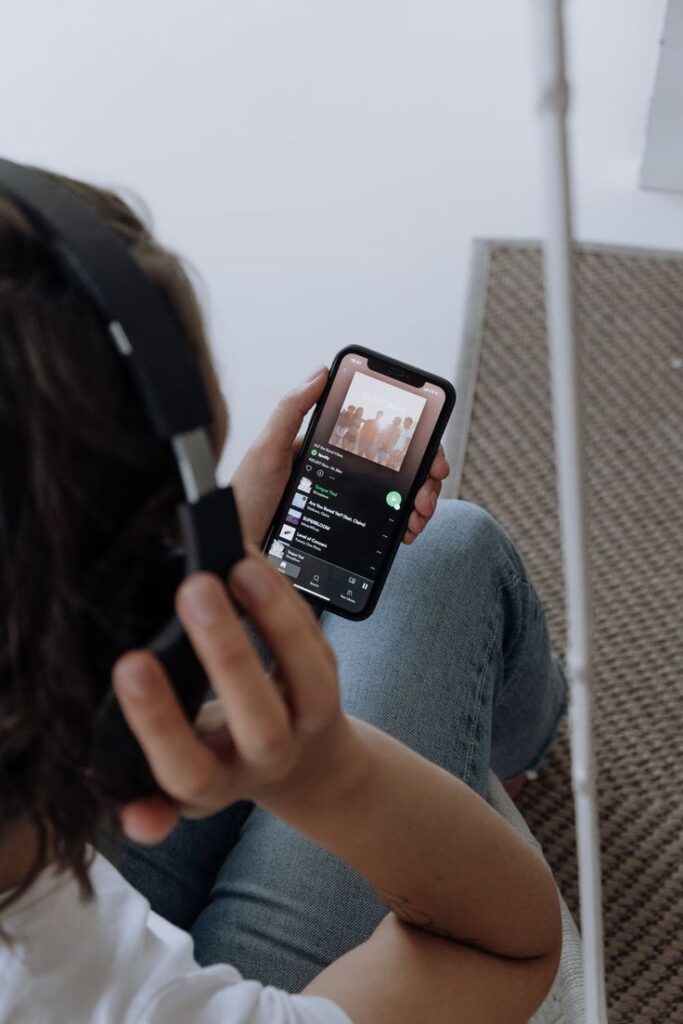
420	476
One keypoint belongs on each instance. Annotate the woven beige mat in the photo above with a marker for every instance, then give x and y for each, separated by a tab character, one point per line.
631	326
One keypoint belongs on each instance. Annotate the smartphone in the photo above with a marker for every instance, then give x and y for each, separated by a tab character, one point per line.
366	453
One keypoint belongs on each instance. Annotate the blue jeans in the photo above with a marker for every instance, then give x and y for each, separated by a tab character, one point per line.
455	662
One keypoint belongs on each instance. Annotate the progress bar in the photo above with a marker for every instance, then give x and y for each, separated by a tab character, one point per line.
314	592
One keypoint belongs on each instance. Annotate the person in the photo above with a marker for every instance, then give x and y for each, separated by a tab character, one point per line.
401	444
351	438
367	440
323	831
342	425
387	439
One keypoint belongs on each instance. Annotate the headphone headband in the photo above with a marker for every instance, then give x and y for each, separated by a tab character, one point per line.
132	307
146	334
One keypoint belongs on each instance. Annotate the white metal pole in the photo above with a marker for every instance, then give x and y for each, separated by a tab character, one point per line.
561	317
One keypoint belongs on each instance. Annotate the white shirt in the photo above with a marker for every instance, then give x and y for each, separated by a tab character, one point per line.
112	960
403	439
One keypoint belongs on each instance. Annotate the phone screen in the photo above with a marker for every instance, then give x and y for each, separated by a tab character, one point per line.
345	502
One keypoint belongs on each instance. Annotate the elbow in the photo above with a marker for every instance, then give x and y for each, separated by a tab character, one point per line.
551	952
546	942
548	939
554	954
553	939
548	966
543	965
534	929
540	938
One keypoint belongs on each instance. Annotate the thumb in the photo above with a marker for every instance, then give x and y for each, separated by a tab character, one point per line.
285	422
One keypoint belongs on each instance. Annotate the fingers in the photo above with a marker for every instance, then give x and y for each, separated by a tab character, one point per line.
439	468
305	661
182	765
285	421
423	510
256	713
416	523
149	821
426	498
211	725
201	773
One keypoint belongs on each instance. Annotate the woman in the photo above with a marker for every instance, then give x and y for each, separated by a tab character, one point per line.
351	438
342	425
388	438
334	857
367	441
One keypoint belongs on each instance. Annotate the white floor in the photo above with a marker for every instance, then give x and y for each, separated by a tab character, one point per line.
325	164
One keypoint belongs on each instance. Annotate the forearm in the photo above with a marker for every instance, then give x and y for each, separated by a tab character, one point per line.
437	854
435	851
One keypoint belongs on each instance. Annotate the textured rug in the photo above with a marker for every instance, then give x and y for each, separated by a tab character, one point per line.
631	326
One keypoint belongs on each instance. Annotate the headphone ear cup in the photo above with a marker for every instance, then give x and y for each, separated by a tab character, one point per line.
131	605
127	598
212	538
119	767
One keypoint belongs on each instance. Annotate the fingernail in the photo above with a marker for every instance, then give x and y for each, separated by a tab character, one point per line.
135	679
433	502
249	580
315	374
201	599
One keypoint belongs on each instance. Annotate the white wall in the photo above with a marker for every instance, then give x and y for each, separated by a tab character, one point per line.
325	164
663	159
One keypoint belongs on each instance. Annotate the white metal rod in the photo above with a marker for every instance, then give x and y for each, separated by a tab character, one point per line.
561	317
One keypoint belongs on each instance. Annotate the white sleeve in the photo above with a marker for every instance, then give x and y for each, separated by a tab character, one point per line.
148	973
211	995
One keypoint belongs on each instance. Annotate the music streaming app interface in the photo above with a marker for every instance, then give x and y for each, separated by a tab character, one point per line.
344	504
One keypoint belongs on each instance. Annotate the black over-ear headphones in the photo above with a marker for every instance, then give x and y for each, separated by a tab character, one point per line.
149	339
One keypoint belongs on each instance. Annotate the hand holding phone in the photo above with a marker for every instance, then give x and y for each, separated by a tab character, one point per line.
348	502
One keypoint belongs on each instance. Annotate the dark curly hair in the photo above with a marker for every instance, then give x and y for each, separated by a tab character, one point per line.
81	476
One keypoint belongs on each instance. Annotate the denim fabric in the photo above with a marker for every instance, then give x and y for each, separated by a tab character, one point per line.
455	662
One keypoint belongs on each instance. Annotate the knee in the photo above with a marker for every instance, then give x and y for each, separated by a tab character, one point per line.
464	539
